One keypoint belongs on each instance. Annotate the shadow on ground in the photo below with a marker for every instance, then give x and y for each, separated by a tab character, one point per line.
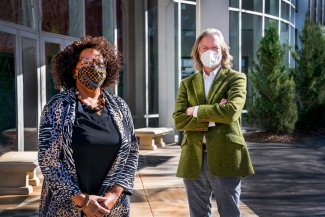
152	160
289	179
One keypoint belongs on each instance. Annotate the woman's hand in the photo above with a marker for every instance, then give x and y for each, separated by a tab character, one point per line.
108	201
111	197
94	209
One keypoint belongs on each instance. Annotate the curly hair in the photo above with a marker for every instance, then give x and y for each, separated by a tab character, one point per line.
65	62
226	57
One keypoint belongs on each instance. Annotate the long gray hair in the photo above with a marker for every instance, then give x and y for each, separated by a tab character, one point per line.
226	57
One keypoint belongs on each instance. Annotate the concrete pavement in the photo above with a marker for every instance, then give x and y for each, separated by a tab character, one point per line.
157	191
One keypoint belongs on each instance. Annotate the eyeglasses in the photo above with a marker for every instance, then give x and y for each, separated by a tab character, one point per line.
88	61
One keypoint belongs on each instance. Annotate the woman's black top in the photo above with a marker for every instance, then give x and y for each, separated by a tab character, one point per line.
95	143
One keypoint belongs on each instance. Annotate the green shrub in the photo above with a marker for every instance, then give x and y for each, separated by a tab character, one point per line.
273	108
309	76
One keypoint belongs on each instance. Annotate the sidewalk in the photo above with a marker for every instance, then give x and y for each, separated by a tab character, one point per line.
157	191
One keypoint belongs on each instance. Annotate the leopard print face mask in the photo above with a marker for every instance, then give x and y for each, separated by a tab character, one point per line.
92	76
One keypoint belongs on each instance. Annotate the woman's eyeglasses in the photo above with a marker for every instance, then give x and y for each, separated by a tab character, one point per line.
88	61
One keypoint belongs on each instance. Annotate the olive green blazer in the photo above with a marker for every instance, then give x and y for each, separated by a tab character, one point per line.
227	153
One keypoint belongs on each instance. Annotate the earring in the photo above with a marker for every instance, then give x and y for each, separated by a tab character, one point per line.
75	76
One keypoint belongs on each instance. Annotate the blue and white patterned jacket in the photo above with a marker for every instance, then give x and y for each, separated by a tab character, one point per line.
56	160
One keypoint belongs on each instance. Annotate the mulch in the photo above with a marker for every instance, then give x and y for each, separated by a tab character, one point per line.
266	137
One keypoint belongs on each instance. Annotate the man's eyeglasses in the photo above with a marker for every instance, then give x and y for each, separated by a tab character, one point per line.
88	61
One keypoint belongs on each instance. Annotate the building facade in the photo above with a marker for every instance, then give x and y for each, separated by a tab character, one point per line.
155	38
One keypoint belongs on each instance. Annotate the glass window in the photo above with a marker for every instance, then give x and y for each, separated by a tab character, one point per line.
176	42
153	61
108	20
267	20
272	7
320	11
62	17
21	12
30	93
131	43
8	93
294	2
51	49
253	5
293	16
234	3
234	38
94	15
284	37
100	18
285	10
293	43
188	37
251	33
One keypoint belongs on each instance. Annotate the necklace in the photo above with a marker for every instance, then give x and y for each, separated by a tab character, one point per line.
97	108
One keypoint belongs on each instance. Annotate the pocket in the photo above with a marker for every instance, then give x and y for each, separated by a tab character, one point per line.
235	139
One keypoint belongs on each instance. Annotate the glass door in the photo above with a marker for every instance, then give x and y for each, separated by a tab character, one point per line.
50	47
28	79
8	132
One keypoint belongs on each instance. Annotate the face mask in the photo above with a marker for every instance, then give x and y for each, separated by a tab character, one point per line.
210	58
92	76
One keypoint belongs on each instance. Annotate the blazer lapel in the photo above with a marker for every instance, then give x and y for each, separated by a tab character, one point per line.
198	85
216	84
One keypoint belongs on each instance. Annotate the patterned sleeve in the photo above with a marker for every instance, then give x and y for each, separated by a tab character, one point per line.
127	175
54	159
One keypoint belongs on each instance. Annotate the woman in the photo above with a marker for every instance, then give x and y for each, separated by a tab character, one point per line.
88	152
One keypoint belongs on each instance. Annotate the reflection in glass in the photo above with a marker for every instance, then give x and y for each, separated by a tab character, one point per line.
94	15
267	20
234	3
251	33
188	36
29	70
177	61
272	7
285	11
293	44
8	93
62	17
131	38
253	5
153	60
292	20
108	20
234	39
51	49
21	12
284	37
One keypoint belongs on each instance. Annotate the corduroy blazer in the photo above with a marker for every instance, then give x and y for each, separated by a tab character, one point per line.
227	153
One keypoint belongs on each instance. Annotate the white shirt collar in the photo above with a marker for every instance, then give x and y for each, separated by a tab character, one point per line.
213	74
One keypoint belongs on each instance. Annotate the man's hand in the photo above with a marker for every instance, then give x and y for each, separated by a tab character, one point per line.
223	101
189	111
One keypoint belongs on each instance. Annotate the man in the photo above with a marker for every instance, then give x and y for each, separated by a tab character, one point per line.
214	154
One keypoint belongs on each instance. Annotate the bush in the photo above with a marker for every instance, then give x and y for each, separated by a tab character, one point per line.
273	108
309	76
